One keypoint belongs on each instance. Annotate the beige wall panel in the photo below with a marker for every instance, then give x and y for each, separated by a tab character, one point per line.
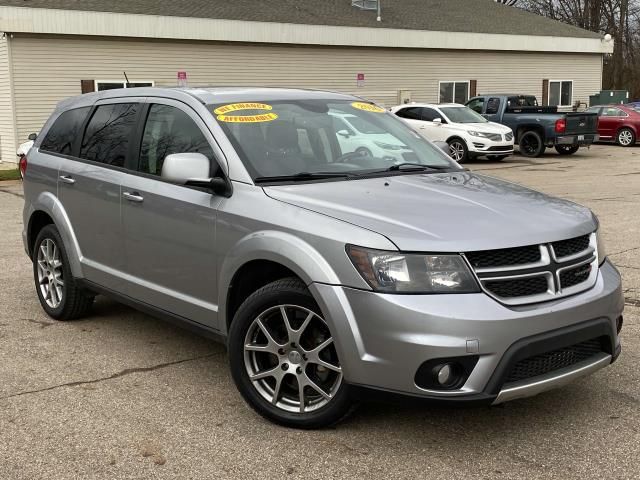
7	132
47	69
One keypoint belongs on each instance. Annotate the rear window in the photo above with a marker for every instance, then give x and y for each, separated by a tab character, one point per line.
106	139
64	131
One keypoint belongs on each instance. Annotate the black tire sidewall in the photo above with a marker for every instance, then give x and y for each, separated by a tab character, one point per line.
277	293
538	139
51	232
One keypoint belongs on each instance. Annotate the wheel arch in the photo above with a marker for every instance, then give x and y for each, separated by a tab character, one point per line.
261	258
522	129
47	210
629	127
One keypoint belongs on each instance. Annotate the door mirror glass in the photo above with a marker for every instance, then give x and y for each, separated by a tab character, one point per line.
437	121
182	168
344	133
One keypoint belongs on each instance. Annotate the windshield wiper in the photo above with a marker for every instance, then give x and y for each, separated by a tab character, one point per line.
415	167
301	177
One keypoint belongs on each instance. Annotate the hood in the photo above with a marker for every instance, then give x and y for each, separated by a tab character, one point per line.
445	212
489	127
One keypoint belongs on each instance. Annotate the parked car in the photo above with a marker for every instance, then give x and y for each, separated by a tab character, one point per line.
537	127
329	275
356	134
618	123
468	134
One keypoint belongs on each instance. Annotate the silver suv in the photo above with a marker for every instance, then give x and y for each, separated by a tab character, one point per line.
330	272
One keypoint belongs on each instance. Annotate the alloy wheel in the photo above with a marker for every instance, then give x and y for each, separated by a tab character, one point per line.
50	277
625	137
457	150
290	358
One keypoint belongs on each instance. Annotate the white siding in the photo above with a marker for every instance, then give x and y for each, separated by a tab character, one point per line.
7	133
47	69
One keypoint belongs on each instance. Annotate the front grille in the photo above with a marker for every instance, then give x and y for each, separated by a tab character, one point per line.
505	257
564	248
518	287
494	137
554	360
508	137
500	148
575	276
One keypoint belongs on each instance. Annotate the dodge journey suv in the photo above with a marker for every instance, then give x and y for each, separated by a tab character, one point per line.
328	268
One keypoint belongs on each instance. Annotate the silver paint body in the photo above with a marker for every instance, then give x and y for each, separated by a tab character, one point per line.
179	249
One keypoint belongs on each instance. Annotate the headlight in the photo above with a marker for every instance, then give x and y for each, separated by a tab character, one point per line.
601	252
412	273
389	146
479	134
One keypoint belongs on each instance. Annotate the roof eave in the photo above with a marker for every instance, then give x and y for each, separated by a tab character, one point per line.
76	22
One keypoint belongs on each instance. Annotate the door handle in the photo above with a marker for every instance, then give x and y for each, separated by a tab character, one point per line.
67	179
133	197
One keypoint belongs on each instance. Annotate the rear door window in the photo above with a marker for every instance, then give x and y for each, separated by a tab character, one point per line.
169	130
65	130
108	134
411	113
613	112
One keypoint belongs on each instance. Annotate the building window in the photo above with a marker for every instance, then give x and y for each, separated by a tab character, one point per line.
454	92
561	93
111	84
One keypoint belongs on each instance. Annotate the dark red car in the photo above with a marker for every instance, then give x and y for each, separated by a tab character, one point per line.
617	123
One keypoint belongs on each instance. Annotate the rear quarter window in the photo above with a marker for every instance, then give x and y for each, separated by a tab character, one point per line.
65	130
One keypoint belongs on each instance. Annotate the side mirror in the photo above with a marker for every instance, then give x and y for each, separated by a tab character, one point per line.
437	121
193	169
344	133
32	137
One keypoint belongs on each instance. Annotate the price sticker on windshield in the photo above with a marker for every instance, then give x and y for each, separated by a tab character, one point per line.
368	107
265	117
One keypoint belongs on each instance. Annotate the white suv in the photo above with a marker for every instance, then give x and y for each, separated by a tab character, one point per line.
468	133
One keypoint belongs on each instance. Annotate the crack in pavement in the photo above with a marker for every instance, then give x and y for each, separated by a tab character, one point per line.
126	371
2	190
625	251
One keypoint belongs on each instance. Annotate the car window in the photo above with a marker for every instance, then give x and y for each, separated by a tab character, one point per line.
493	106
429	115
169	130
64	131
462	115
613	112
476	104
411	113
107	136
594	110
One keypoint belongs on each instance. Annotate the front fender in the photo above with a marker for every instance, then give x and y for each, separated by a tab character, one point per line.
280	247
48	203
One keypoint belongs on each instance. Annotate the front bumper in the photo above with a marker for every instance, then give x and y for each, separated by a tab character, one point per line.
587	139
383	339
484	146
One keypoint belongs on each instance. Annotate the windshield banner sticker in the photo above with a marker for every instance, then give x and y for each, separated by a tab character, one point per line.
265	117
222	112
367	107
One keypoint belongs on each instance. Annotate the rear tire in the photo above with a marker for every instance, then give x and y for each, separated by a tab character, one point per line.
57	290
531	144
567	149
626	137
277	335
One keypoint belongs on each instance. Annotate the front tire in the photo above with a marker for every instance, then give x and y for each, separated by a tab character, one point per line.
626	137
283	359
458	150
567	149
531	144
57	290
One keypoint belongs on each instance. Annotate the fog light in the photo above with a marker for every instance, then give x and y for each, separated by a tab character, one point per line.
445	372
619	322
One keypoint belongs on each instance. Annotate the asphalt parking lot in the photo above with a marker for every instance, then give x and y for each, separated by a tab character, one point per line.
122	395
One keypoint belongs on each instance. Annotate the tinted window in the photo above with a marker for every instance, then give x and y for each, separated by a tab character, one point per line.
412	113
594	110
613	112
429	114
493	106
476	104
64	131
169	130
106	139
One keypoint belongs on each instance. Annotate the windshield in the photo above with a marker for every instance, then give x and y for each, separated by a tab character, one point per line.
462	115
289	138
